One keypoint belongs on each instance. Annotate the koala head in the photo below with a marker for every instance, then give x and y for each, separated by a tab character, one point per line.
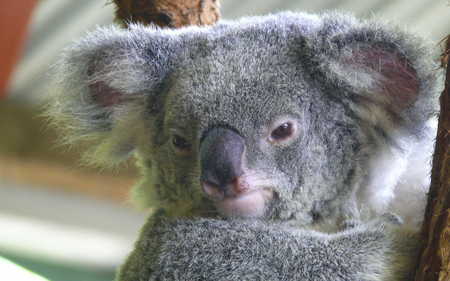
271	117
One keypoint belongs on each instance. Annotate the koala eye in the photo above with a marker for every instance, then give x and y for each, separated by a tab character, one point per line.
180	142
283	131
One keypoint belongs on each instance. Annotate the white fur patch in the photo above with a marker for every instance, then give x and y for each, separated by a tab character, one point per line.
398	182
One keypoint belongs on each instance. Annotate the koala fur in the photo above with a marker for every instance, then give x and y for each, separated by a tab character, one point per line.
257	138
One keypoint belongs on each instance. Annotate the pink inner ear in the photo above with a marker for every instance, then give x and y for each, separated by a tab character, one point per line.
400	81
104	95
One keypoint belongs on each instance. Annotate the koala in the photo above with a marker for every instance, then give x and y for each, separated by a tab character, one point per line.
273	147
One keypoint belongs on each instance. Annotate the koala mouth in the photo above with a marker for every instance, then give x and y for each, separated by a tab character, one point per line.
249	205
238	200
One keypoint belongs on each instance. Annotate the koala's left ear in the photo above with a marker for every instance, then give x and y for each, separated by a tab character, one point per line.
385	78
392	78
103	86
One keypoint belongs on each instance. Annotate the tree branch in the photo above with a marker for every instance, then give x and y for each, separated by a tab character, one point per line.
434	258
168	13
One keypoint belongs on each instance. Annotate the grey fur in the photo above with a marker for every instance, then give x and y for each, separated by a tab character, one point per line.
358	94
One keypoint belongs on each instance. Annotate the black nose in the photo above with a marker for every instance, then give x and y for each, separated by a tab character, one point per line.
221	156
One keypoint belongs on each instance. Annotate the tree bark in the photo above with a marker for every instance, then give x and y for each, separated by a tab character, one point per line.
434	258
168	13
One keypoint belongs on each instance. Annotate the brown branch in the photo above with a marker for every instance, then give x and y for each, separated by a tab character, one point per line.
434	259
168	13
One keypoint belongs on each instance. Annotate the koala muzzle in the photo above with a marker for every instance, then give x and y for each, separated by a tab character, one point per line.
221	155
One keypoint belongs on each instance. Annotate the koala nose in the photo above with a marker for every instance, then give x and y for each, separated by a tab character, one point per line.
221	160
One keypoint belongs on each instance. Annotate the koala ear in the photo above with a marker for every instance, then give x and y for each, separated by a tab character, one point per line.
382	78
103	86
383	83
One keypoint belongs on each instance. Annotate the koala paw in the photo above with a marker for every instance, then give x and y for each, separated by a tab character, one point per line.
390	219
386	220
349	224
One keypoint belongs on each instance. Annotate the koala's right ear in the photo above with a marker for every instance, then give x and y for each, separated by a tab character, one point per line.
103	86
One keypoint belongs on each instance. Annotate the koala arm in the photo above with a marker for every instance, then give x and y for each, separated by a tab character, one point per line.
211	249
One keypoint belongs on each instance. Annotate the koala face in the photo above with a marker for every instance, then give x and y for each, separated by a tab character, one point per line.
274	118
254	141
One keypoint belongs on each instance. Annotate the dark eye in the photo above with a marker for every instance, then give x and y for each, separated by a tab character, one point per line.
180	142
283	131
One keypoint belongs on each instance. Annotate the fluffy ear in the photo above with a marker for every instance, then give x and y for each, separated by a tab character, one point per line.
384	83
387	73
103	86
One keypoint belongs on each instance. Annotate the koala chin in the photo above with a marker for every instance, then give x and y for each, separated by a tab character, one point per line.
251	133
242	197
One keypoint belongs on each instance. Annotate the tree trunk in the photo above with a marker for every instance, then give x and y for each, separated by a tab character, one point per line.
168	13
434	259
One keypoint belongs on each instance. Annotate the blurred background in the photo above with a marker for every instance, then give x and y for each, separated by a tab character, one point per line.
66	222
